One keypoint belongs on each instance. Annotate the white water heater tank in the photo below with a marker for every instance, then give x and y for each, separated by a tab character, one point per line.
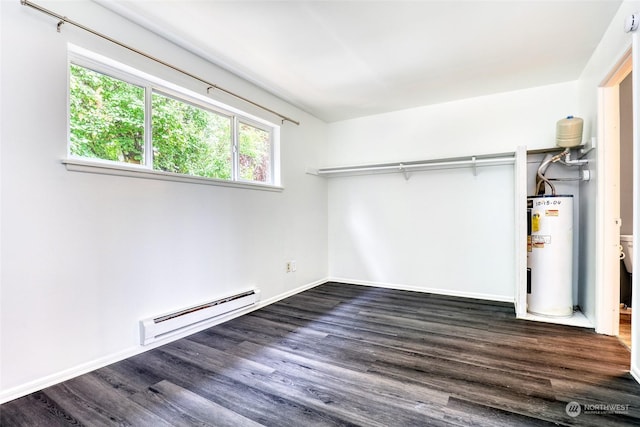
550	256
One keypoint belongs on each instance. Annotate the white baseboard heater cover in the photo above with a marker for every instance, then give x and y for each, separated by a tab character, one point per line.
168	324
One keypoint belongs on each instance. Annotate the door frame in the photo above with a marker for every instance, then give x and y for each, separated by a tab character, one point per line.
608	199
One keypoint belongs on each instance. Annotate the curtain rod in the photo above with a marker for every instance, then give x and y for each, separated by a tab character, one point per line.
64	19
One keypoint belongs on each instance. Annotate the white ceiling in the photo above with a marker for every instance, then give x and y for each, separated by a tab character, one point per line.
347	59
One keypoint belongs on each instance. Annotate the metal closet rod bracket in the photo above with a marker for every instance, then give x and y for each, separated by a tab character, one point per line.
404	171
63	20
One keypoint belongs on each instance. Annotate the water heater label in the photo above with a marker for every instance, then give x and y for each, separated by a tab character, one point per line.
535	222
552	212
539	240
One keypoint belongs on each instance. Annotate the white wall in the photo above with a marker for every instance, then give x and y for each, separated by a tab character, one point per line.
483	125
86	256
423	234
444	231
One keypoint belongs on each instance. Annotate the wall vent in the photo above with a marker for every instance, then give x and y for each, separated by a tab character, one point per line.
169	324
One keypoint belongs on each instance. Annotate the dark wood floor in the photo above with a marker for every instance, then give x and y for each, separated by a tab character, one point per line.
353	355
625	326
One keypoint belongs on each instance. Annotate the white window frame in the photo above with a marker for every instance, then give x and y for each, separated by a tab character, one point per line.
87	59
236	144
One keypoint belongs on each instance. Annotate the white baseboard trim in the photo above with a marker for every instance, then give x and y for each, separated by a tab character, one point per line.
67	374
292	292
448	292
578	319
635	373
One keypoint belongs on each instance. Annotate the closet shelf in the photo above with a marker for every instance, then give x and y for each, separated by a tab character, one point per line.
405	168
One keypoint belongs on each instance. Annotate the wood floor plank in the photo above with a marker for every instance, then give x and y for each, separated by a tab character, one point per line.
244	398
181	407
342	378
95	402
499	398
347	355
472	414
36	409
596	394
315	396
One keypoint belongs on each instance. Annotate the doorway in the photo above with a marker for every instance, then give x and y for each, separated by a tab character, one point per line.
626	207
615	124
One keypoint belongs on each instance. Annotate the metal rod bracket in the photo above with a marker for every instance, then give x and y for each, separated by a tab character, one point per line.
404	171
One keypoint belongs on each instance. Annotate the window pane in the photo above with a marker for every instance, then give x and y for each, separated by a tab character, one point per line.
190	140
106	117
254	153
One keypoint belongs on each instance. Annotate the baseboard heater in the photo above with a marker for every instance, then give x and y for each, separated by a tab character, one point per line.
168	324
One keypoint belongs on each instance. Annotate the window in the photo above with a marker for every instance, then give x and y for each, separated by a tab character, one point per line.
190	140
254	148
128	119
106	117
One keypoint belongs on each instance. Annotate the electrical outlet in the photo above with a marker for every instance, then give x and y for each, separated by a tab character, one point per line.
290	266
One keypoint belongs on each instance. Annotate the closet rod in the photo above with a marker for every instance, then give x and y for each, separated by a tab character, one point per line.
402	167
64	19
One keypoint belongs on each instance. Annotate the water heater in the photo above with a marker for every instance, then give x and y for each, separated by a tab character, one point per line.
550	256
